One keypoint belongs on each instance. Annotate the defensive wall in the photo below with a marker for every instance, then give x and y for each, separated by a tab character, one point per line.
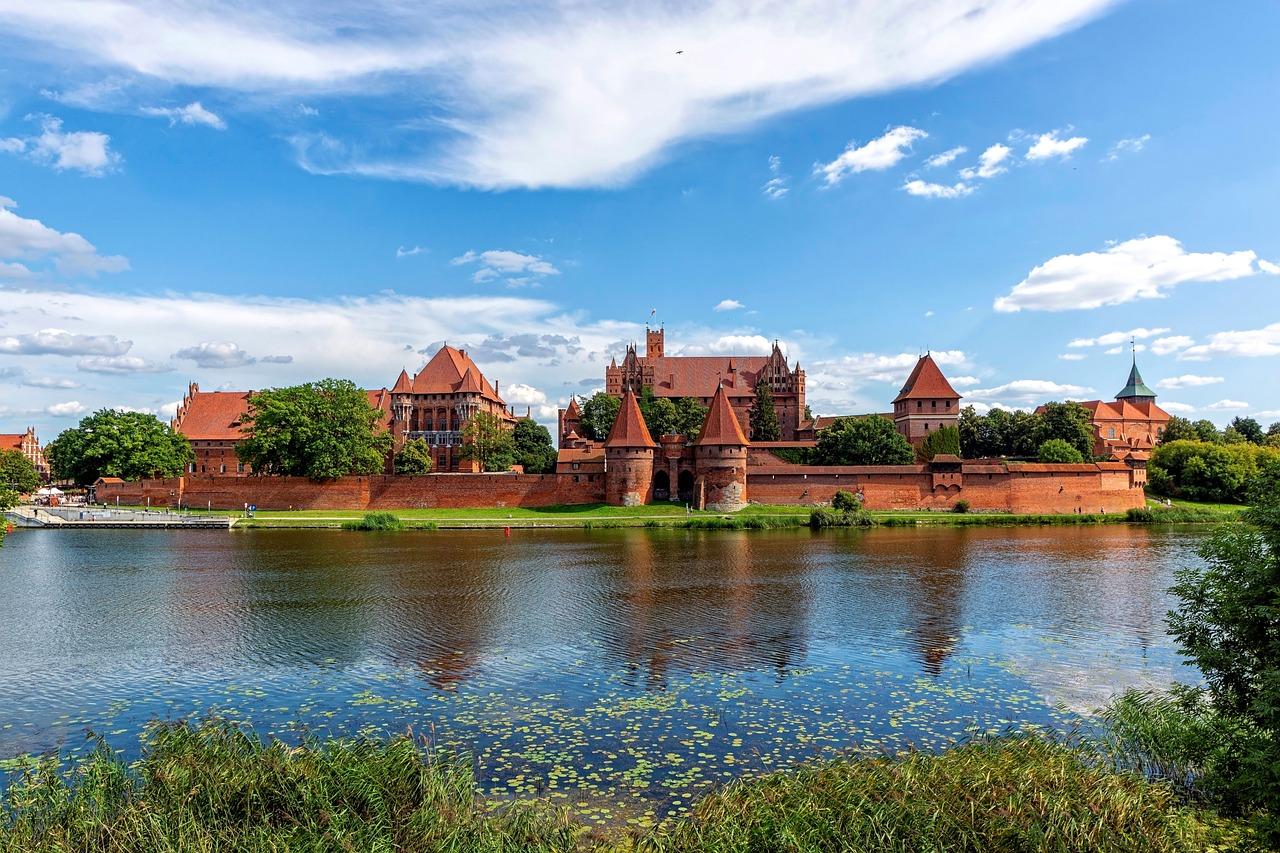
987	485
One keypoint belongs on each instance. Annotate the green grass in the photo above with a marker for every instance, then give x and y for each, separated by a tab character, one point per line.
215	787
375	521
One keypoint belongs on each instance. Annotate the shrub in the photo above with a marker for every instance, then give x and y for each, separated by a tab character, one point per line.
1057	450
830	518
961	505
845	501
375	521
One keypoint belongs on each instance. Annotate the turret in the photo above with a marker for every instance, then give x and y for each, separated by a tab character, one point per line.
720	455
628	453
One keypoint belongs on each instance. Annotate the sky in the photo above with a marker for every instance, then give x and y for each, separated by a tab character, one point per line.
248	195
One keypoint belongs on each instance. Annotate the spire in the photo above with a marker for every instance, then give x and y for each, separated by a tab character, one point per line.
721	426
403	384
629	429
926	381
1135	388
573	411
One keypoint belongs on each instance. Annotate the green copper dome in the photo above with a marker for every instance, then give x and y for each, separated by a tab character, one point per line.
1135	387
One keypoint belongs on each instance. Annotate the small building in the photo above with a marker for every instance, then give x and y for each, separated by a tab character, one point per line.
1131	425
28	445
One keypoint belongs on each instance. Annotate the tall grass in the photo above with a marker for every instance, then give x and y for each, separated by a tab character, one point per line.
822	517
375	521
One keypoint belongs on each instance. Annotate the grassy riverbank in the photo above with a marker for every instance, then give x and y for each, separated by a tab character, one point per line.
214	787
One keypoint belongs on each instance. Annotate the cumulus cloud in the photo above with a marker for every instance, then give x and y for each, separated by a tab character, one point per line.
120	364
1142	268
1250	343
1131	145
513	268
1177	408
1171	344
50	382
1029	391
88	152
1051	144
990	163
946	158
24	242
834	384
728	305
1189	380
1268	267
1072	356
216	355
927	189
1227	406
777	185
66	410
62	342
402	252
1113	338
192	114
883	152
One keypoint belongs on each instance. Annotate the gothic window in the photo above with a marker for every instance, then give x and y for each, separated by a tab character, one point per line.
1111	432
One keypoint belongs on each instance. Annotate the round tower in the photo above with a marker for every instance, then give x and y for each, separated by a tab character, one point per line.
628	455
720	454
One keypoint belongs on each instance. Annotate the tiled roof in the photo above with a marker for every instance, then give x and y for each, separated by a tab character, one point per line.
212	415
1125	410
445	373
404	385
721	426
699	375
581	454
12	442
926	381
573	411
629	429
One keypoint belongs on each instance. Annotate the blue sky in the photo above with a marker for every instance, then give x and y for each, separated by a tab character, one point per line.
247	198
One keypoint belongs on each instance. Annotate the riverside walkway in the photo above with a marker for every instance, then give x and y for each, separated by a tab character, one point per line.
75	516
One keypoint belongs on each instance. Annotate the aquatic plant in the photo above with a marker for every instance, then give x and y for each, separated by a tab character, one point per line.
377	521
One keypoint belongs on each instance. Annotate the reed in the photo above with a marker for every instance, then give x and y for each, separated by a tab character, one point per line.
375	521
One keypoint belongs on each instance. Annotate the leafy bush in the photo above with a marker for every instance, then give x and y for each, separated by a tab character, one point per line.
413	458
819	518
1206	471
1057	450
945	440
871	440
961	505
844	501
375	521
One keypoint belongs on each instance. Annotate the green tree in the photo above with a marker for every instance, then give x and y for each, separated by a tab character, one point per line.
1070	422
1228	625
1231	435
764	415
972	429
1203	471
690	416
17	474
1273	435
321	430
487	440
598	414
871	440
945	440
1207	430
1058	450
1179	429
111	443
414	458
533	447
659	413
1249	428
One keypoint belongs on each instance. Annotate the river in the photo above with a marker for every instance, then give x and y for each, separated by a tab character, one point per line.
632	668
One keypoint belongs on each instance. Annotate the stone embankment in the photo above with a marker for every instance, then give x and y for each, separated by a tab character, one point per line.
95	517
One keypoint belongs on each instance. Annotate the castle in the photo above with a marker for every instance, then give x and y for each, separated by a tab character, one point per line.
1131	426
28	445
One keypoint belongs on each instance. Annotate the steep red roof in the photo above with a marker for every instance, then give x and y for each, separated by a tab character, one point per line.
926	381
11	442
1123	410
404	385
721	426
699	376
212	415
629	429
573	411
445	372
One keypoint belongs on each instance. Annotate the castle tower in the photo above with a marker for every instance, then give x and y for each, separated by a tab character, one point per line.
401	407
570	421
1135	390
628	454
720	455
926	403
654	342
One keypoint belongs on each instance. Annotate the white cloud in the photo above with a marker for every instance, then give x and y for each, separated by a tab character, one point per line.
1131	145
883	152
728	305
64	410
513	268
1029	391
963	381
1189	380
1072	356
1177	408
216	354
120	364
946	157
777	185
1170	344
1227	406
1251	343
990	163
192	114
83	151
28	240
1267	413
926	189
1268	267
402	252
1141	268
542	94
1050	144
62	342
1113	338
50	382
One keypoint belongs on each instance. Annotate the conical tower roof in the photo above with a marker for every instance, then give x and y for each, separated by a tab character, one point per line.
403	385
1135	387
629	429
573	411
469	385
721	426
926	381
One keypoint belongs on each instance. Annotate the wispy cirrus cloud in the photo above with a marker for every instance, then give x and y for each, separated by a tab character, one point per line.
193	113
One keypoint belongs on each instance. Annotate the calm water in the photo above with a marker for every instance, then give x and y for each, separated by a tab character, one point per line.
618	665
